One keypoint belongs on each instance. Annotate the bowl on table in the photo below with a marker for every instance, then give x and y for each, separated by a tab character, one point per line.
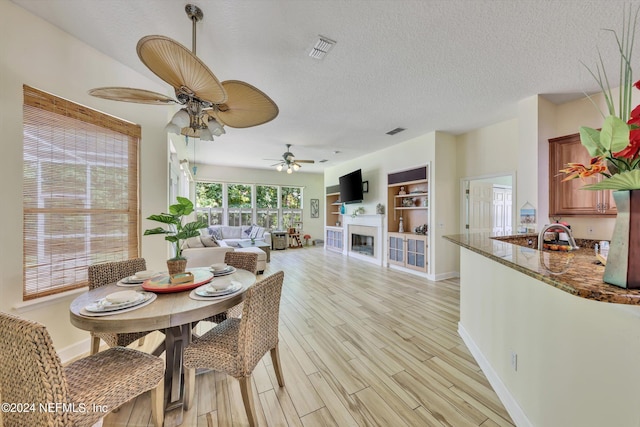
221	266
144	275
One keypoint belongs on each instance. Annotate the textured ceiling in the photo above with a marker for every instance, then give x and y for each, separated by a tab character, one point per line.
449	66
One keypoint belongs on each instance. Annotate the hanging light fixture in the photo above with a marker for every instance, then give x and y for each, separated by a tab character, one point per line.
290	162
195	122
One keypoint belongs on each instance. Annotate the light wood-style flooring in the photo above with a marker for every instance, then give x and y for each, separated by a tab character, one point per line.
361	345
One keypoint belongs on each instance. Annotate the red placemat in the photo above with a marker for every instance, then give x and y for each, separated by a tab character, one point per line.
161	283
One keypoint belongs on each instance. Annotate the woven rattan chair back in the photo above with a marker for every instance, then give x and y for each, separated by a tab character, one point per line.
244	260
110	272
259	323
31	373
236	345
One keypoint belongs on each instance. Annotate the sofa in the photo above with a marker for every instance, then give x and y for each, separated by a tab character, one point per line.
204	250
232	234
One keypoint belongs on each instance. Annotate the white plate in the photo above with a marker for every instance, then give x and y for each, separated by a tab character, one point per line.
122	297
102	305
204	291
132	280
224	272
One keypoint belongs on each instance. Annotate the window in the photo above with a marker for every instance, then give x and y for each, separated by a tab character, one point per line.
209	202
80	189
269	206
239	202
291	207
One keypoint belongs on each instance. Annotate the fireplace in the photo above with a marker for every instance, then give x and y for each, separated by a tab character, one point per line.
363	238
362	244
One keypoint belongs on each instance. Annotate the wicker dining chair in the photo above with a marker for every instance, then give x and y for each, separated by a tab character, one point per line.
110	272
78	394
245	261
235	346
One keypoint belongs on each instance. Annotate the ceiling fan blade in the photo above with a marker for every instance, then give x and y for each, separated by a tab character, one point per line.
176	65
305	161
127	94
246	106
276	164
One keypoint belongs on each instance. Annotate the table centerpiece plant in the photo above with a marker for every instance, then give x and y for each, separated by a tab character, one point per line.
177	231
615	154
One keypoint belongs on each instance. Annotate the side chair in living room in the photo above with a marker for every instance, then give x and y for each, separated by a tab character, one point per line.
110	272
77	395
235	346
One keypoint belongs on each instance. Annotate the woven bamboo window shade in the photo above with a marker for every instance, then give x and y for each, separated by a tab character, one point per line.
80	197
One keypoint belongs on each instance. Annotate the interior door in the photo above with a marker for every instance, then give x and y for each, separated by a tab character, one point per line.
502	211
480	206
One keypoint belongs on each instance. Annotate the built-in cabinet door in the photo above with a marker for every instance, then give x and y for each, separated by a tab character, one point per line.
416	252
568	198
396	249
334	240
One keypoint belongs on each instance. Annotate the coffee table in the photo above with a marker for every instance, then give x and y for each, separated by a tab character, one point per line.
258	244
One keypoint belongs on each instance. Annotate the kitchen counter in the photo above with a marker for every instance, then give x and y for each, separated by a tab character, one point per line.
576	272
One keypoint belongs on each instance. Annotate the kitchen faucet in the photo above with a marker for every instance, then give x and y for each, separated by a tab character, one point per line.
572	241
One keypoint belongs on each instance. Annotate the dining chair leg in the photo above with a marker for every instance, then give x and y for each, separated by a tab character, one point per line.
189	387
247	398
157	404
95	344
275	358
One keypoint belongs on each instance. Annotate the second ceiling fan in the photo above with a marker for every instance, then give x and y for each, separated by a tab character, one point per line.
208	103
290	162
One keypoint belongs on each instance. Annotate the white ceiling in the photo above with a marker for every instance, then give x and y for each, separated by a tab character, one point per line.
427	65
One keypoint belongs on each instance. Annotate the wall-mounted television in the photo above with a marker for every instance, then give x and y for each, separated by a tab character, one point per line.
351	187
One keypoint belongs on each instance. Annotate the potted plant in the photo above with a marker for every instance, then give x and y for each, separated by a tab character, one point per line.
176	232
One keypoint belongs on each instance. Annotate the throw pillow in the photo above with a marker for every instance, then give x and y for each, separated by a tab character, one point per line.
193	242
216	233
247	231
257	232
209	241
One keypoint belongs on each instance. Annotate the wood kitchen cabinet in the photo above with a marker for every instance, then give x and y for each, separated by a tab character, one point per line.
568	198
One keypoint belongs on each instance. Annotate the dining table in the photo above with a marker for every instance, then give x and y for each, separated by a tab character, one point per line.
172	312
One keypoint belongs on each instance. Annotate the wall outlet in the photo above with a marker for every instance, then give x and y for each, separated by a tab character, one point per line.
589	230
514	360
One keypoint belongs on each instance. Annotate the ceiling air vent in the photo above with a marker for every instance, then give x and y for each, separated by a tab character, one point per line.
321	48
394	131
323	161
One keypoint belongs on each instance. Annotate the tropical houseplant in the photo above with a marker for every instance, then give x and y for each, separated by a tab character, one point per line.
177	231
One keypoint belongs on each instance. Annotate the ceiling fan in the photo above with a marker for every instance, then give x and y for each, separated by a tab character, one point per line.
208	103
289	161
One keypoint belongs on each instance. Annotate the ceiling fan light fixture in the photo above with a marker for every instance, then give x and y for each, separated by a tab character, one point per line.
206	135
279	167
296	167
215	128
181	118
289	170
172	128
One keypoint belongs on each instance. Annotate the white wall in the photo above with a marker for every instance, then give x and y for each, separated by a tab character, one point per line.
407	155
35	53
576	358
312	183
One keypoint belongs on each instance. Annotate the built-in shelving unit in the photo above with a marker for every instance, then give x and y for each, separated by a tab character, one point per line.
333	220
408	197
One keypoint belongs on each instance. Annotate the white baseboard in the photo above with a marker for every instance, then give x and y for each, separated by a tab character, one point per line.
75	350
444	276
509	402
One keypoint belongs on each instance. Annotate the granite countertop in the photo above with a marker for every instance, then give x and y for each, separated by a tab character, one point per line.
576	272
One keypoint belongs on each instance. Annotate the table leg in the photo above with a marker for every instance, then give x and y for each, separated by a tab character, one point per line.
176	339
